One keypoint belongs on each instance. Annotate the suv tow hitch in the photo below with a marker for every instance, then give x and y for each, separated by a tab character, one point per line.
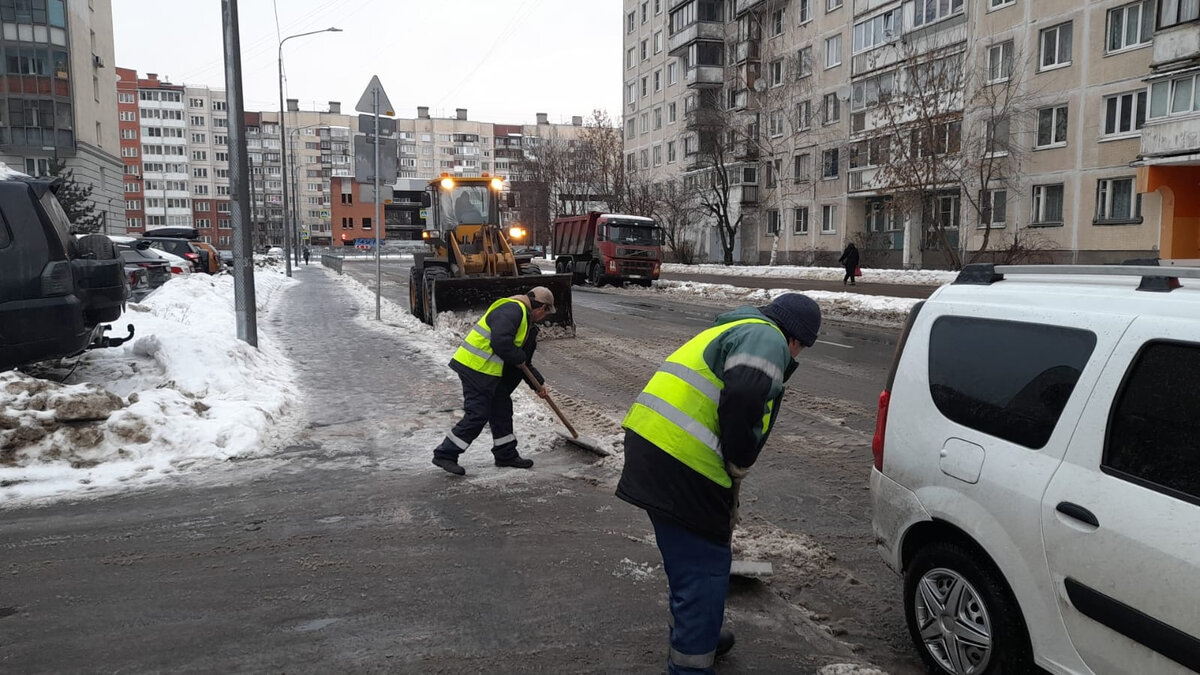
102	341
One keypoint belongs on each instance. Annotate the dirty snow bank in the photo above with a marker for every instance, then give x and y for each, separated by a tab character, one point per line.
873	309
183	393
870	275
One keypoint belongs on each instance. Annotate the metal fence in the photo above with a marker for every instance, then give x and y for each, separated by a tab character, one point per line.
333	262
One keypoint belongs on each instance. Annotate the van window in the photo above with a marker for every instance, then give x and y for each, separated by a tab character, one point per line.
1154	429
1005	378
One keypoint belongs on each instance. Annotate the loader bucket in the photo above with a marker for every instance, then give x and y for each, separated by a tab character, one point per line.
476	294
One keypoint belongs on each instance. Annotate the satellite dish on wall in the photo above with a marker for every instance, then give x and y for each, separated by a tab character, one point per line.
760	86
843	92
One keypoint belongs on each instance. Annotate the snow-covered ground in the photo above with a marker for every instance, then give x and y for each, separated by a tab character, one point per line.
870	275
182	394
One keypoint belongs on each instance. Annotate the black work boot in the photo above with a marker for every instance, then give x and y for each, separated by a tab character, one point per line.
725	642
449	465
517	462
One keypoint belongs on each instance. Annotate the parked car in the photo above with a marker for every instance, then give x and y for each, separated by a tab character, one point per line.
209	256
275	251
226	258
138	255
1036	473
184	242
178	247
56	292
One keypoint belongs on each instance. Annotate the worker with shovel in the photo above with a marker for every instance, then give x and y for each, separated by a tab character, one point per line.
691	436
491	362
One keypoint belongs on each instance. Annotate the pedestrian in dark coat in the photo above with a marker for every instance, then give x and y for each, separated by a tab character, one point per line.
489	362
850	260
691	437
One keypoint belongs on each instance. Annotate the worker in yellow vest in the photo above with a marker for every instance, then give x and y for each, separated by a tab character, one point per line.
690	437
489	364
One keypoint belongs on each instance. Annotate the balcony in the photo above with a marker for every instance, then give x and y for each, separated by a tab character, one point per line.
746	51
1176	44
866	181
1170	136
704	76
749	196
701	118
700	30
864	6
740	7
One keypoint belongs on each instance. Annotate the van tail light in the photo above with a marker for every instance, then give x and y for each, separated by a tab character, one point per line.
57	278
885	399
176	270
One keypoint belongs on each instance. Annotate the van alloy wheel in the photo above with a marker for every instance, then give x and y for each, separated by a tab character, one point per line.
954	622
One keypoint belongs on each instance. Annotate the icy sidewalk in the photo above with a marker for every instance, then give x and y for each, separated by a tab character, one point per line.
182	395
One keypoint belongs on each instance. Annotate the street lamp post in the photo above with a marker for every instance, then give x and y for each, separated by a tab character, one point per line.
287	232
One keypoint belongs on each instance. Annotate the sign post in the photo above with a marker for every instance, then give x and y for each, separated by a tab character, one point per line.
373	101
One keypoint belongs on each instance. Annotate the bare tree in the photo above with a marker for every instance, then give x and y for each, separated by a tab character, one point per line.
674	209
941	138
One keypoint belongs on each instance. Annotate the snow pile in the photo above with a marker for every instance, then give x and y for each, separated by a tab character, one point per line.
870	275
791	550
183	393
850	669
637	572
873	309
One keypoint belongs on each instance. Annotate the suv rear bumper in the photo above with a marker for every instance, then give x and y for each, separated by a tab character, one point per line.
40	329
895	509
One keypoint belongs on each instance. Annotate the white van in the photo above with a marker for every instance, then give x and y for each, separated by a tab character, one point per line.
1037	470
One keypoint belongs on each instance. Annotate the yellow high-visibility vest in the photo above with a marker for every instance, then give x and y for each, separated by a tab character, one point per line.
677	411
476	351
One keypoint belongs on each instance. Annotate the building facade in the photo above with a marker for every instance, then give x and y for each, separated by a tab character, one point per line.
1023	144
60	96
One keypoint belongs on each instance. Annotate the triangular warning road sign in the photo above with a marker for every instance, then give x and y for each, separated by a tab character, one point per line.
366	103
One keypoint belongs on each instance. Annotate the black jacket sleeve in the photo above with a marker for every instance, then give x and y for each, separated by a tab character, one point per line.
529	348
504	322
740	411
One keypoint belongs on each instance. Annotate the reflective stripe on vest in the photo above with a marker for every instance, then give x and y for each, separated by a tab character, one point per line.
476	352
677	411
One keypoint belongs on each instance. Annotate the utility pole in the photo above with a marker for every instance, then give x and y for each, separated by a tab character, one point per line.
245	310
375	102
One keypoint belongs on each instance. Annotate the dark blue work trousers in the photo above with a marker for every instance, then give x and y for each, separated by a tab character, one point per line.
698	574
487	401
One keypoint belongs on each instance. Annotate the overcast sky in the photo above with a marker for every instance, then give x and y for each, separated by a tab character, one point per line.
503	61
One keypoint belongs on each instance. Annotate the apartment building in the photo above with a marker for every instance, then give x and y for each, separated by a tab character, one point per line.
1032	123
207	148
1169	163
59	96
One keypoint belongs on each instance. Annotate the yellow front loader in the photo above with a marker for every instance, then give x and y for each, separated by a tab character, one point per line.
469	262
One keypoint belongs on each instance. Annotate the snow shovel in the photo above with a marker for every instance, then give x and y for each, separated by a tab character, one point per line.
574	439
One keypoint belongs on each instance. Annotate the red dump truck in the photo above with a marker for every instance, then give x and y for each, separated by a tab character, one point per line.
601	248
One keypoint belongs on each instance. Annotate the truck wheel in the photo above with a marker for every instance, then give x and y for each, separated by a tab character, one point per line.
431	275
96	247
594	278
528	269
416	293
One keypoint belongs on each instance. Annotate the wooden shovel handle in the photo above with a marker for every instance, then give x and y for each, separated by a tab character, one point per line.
561	417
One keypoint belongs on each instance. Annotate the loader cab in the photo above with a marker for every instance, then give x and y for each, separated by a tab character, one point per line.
461	202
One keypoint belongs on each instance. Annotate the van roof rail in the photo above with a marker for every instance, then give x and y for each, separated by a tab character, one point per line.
1154	278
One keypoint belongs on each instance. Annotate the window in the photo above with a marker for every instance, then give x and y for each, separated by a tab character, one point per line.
645	155
773	223
1117	201
670	151
671	114
804	61
829	163
657	155
1173	12
1153	427
776	69
631	57
833	51
203	222
803	115
777	22
771	170
645	11
1124	113
201	206
645	50
630	128
775	124
125	98
997	4
645	86
803	11
1178	96
672	73
997	136
929	11
875	31
1000	61
631	95
657	81
127	116
1005	379
800	220
1056	46
645	117
1048	204
200	172
658	118
871	91
1052	127
1130	26
833	112
829	219
630	162
129	134
802	168
218	105
630	22
831	5
995	208
366	223
197	121
658	42
658	7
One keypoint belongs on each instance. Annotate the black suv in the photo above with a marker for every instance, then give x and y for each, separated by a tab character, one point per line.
55	291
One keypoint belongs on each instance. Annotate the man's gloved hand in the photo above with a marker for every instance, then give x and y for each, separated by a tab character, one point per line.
736	472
